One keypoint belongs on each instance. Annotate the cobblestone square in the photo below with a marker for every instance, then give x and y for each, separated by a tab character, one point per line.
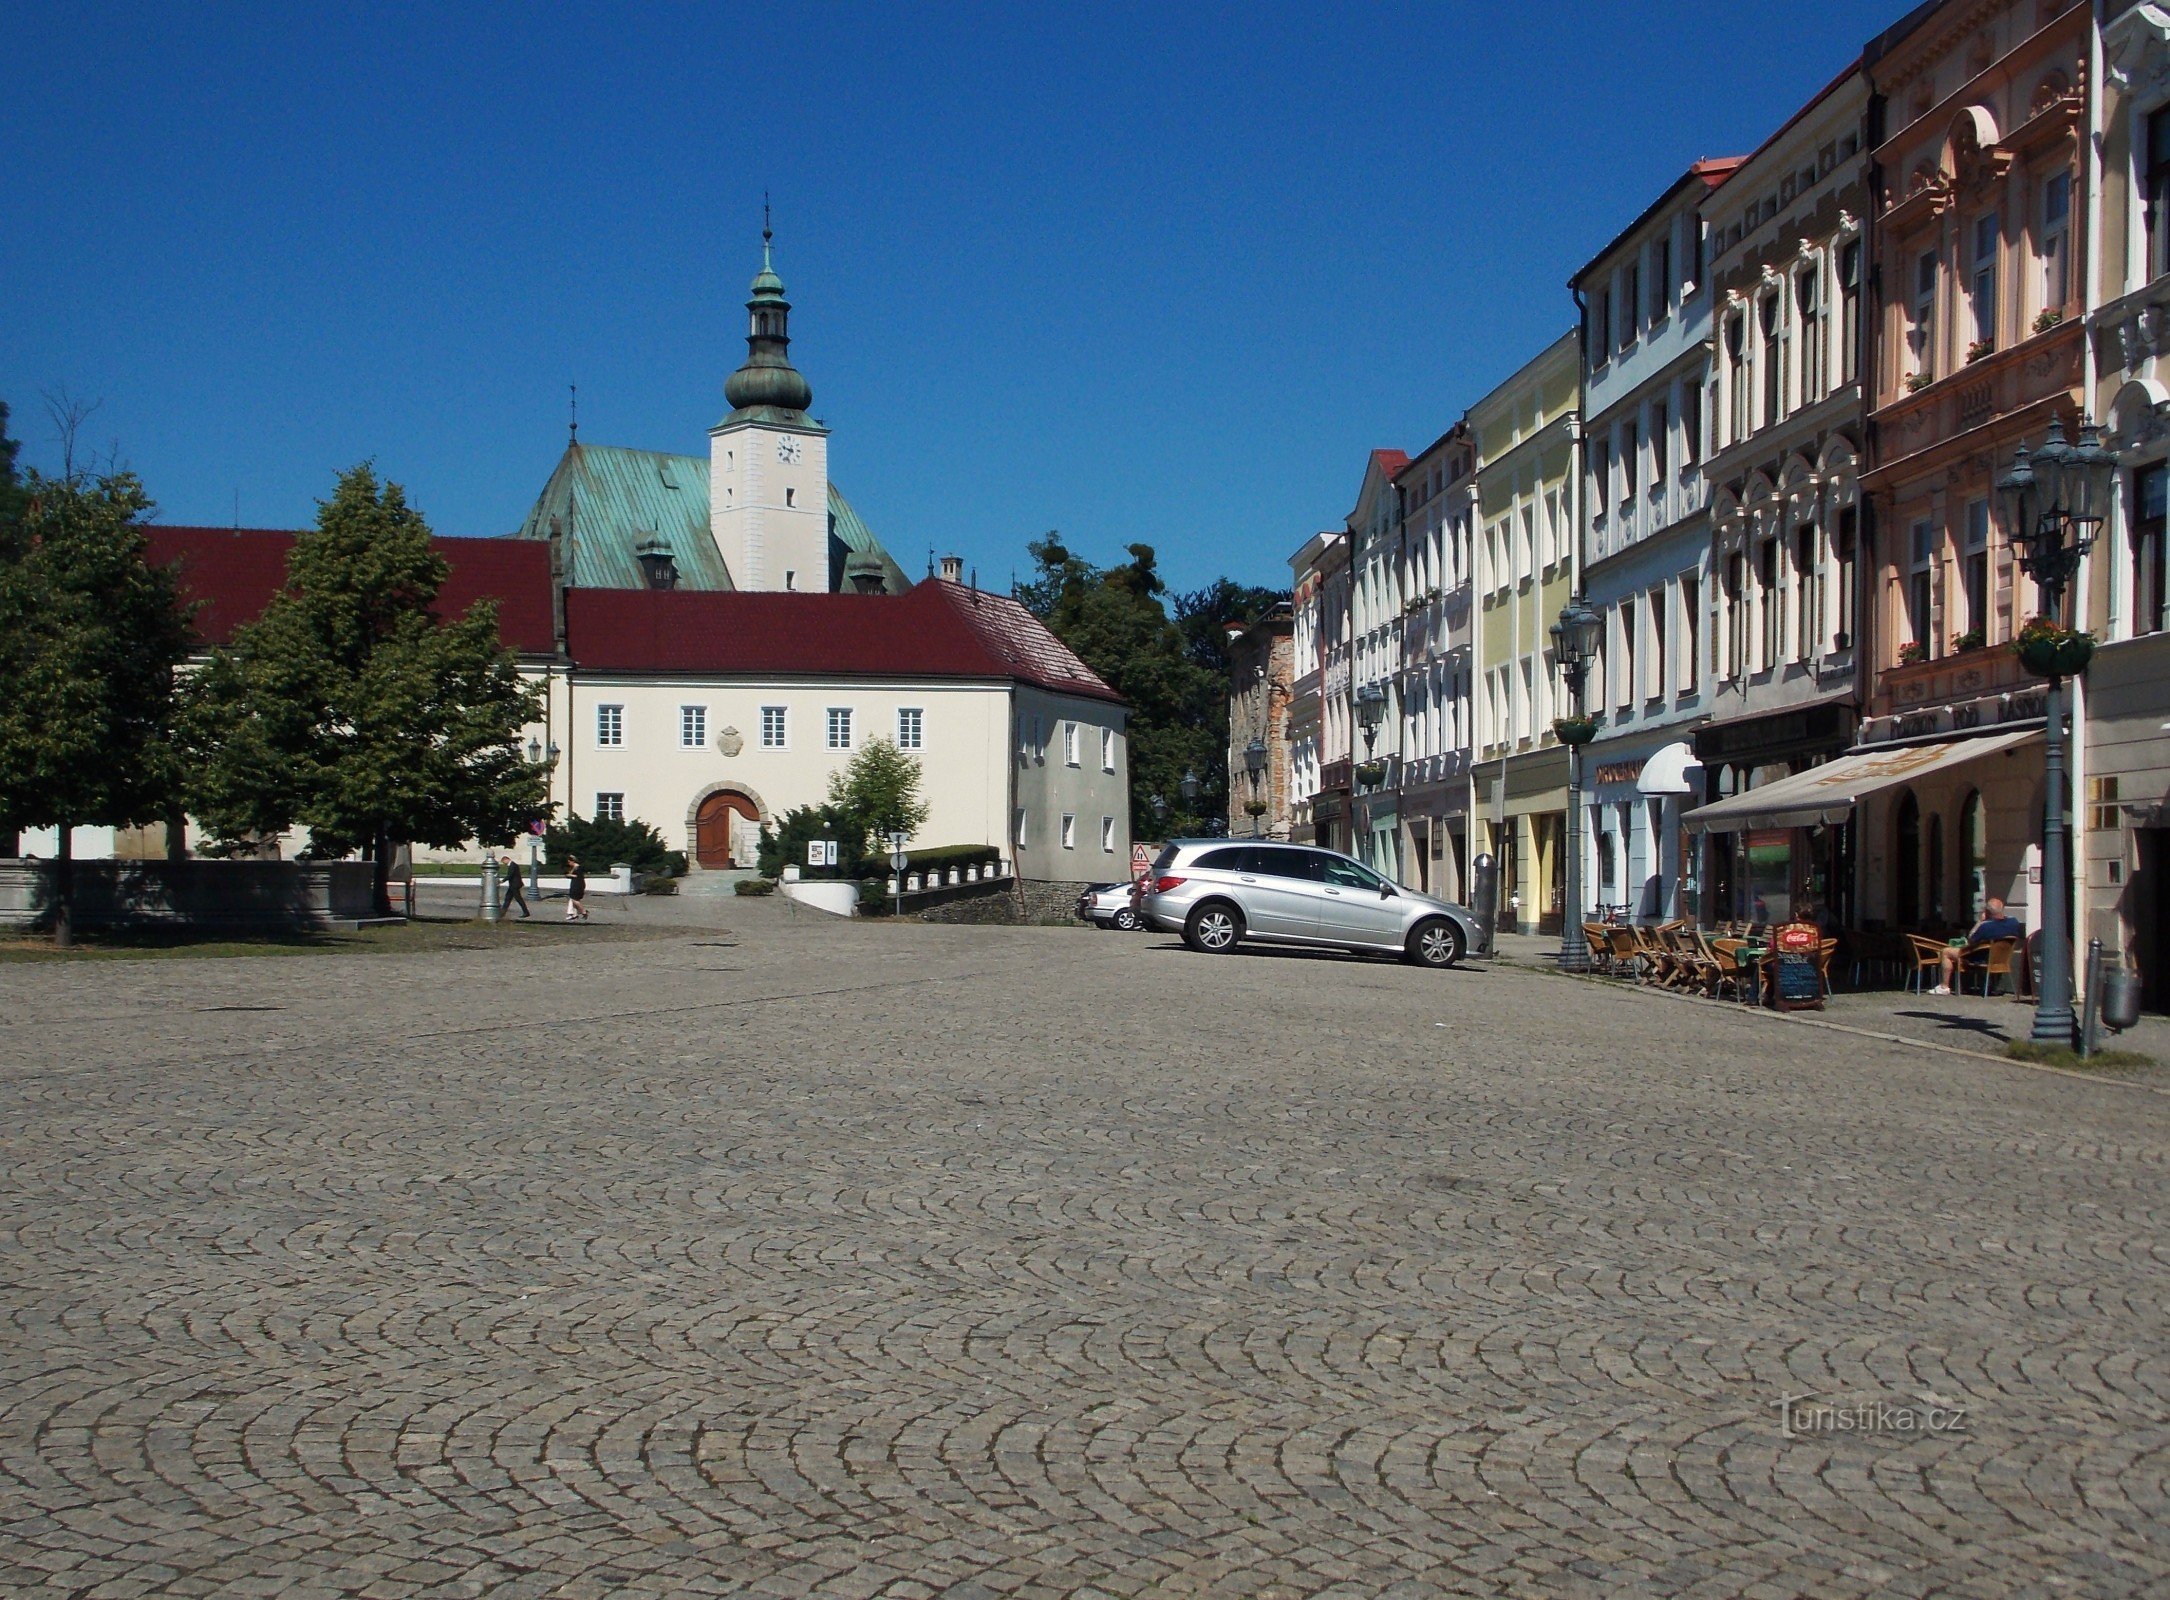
804	1258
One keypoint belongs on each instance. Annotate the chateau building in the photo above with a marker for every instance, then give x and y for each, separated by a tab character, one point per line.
1788	255
1645	554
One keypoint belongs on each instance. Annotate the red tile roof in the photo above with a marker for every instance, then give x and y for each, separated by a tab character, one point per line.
1390	461
936	629
230	575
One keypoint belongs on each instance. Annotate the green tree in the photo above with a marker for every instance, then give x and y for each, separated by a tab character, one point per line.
14	497
349	706
784	843
1115	620
90	635
879	790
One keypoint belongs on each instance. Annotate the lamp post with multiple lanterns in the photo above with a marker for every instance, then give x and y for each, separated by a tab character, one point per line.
2054	503
1254	763
537	753
1574	643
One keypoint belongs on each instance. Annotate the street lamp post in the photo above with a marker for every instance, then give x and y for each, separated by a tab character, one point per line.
1370	712
1254	762
2054	503
1574	642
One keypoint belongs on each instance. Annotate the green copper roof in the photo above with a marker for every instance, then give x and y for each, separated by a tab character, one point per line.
609	500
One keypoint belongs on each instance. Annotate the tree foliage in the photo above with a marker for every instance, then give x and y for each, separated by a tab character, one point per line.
1173	674
90	636
350	707
879	789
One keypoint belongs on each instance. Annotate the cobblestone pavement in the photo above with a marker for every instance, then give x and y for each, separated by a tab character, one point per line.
806	1258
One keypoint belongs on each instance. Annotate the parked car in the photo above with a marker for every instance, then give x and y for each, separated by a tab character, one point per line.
1217	895
1110	905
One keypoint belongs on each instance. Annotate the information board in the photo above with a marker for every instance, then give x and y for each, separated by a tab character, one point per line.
1797	950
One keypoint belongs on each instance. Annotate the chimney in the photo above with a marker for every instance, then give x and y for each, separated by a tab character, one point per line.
953	569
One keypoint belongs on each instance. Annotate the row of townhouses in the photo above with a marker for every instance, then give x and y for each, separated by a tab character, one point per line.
1764	451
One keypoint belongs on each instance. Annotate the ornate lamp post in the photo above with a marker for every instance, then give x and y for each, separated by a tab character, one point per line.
1574	642
2054	504
1254	762
1370	712
537	752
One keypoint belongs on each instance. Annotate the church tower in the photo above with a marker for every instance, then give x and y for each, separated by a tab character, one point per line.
768	461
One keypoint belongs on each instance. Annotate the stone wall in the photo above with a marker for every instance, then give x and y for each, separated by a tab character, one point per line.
192	894
1043	902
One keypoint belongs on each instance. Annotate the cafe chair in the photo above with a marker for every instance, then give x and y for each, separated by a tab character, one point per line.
1928	955
1600	943
1996	963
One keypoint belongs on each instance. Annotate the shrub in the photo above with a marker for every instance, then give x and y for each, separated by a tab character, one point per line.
784	844
753	886
601	844
948	855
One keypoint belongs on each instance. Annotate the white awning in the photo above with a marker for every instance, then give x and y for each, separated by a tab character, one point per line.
1827	793
1667	771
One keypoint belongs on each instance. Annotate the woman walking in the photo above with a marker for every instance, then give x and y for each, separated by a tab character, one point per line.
576	892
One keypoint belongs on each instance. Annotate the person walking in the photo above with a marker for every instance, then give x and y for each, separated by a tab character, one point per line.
515	887
576	891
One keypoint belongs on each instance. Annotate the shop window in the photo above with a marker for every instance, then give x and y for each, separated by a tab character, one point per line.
1974	853
1906	863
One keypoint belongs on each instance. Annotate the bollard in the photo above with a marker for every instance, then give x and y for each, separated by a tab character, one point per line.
490	906
1484	898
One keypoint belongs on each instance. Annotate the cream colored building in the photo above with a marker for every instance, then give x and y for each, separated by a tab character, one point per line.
1525	436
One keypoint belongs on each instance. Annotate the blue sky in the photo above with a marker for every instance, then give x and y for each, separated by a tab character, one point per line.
1138	273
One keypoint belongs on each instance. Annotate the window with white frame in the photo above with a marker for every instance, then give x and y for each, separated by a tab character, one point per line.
609	806
1069	830
1923	333
1974	568
1849	318
1691	630
1771	358
1630	453
1982	281
1808	303
1633	302
1107	835
772	727
2056	241
610	725
1691	423
911	727
1107	749
1070	755
1660	622
1808	594
1736	422
1921	585
1600	475
1770	604
2150	503
693	726
1661	276
1625	686
840	727
1660	430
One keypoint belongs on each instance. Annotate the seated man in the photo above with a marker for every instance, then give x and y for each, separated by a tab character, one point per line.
1994	925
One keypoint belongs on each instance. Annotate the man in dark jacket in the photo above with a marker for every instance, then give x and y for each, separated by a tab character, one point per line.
514	885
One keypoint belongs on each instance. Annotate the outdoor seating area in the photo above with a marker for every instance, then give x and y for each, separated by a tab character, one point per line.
1738	960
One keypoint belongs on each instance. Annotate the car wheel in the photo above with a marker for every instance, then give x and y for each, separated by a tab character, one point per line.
1436	943
1127	920
1215	927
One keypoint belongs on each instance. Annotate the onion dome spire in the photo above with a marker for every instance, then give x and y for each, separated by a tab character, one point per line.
768	379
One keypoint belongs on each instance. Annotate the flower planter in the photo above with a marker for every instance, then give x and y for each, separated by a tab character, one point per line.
2055	655
1574	730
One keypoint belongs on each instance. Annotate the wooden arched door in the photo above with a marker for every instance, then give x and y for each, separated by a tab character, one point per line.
723	829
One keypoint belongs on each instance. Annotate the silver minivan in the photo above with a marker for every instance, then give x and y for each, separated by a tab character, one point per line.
1217	893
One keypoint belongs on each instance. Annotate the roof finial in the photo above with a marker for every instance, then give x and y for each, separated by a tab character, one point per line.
572	436
767	233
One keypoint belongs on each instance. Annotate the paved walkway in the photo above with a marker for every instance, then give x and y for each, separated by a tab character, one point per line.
813	1258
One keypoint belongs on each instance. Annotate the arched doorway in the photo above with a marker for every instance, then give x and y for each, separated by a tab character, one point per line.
1906	864
726	830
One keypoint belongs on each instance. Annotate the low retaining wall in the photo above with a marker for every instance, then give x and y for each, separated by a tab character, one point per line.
192	894
1014	902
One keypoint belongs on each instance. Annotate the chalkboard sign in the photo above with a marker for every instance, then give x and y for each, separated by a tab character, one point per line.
1798	967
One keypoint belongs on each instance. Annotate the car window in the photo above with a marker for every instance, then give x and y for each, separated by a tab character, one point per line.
1166	858
1225	859
1275	861
1351	875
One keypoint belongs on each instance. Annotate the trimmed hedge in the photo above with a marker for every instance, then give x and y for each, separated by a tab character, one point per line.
751	886
962	855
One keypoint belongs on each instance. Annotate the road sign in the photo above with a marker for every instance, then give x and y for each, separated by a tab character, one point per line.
1141	858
